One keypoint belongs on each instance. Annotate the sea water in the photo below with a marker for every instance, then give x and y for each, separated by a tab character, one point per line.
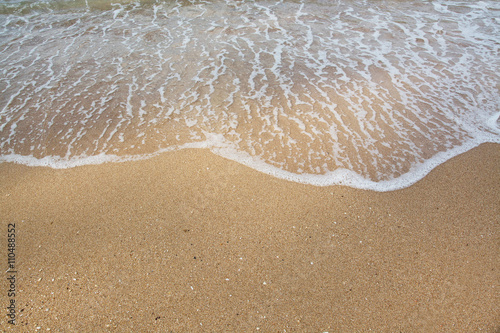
370	94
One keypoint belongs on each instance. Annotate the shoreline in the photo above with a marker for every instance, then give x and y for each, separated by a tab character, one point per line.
190	241
338	177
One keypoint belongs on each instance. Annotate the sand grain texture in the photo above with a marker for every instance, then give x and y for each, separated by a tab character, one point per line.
189	241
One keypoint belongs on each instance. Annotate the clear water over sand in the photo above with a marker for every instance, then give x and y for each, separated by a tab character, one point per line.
370	94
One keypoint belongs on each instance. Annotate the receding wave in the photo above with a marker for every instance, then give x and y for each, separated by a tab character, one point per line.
372	94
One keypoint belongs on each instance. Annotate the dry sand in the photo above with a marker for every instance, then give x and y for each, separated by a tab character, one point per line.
189	241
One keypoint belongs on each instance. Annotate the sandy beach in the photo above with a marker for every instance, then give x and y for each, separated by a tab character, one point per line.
192	242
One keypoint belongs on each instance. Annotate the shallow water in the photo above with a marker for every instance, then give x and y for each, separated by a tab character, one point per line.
370	94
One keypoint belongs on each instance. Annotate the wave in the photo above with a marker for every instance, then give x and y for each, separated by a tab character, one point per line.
365	94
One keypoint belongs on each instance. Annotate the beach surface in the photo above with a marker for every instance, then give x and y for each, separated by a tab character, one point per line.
191	242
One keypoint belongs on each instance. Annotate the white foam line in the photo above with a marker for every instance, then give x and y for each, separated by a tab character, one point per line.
219	146
346	177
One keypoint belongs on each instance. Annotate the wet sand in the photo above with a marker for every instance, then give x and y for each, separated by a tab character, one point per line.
189	241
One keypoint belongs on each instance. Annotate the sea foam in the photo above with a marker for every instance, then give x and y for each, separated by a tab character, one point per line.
368	95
